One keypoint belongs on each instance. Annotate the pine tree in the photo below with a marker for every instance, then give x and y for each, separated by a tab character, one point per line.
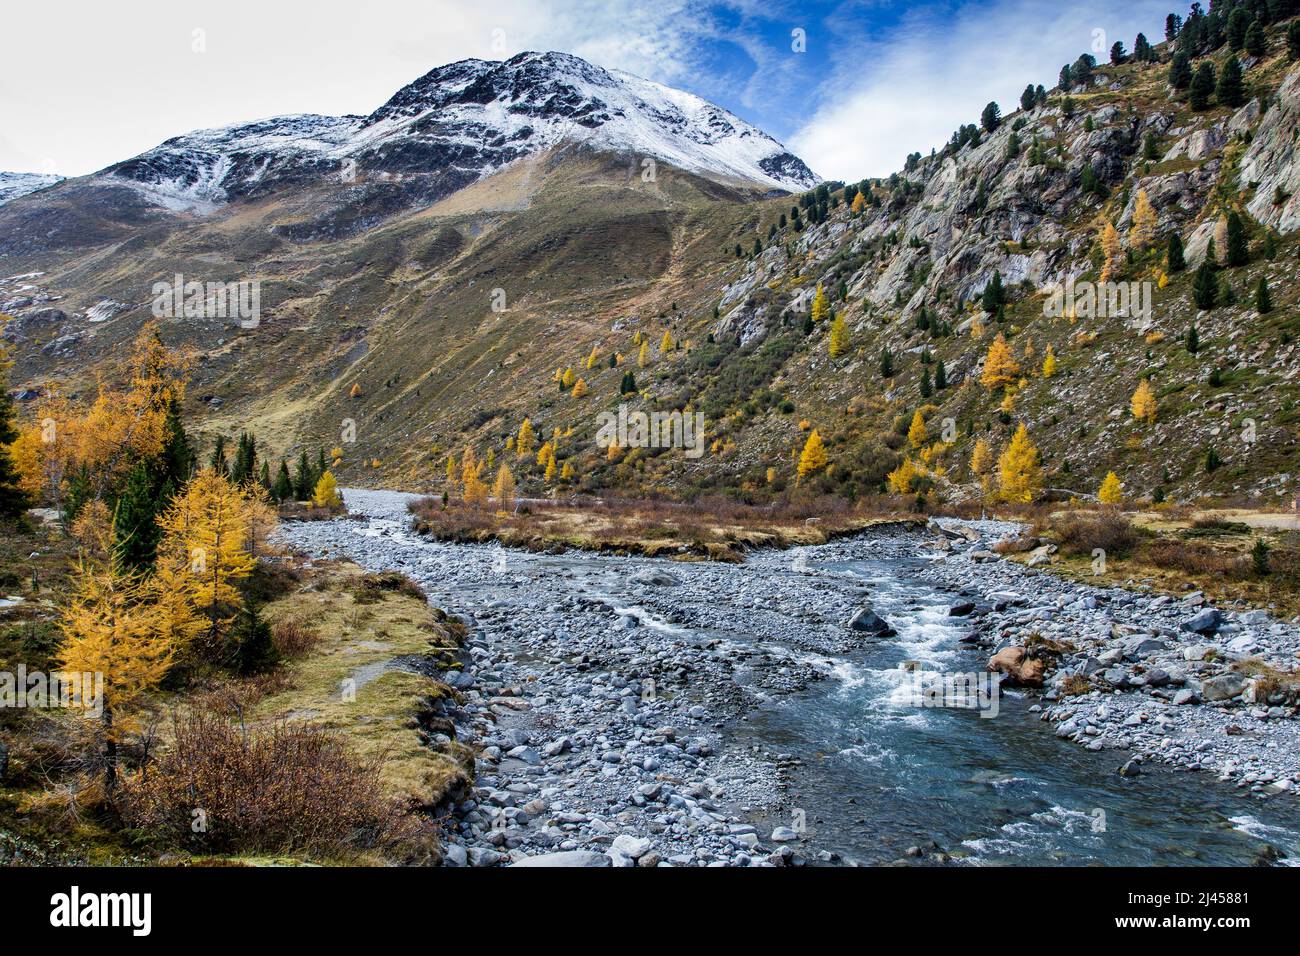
838	342
1193	340
1237	252
1143	404
994	296
303	483
264	477
135	520
1293	40
1202	87
326	492
1263	300
940	376
1205	288
1231	89
1174	256
282	490
886	364
813	457
1143	231
991	118
1238	23
1180	71
1142	51
1020	471
254	647
1000	366
217	461
1256	40
1111	491
927	388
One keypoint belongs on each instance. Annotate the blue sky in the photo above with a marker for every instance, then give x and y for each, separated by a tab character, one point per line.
95	83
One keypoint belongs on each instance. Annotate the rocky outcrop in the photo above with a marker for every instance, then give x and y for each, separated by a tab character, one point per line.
1018	667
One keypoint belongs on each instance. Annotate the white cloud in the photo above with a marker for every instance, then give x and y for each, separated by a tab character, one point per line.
908	91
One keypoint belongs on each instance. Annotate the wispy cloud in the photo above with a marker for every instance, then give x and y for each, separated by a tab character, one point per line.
908	88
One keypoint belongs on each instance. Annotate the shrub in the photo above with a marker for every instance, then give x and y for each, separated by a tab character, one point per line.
288	788
372	588
1113	533
293	638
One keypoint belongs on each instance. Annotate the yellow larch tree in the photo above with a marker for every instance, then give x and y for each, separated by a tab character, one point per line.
821	308
838	343
1000	366
326	492
551	469
568	472
504	490
666	343
1020	473
567	379
1113	252
1142	234
1143	404
813	457
593	358
108	631
643	356
902	478
207	529
1049	363
859	203
916	433
527	440
579	388
981	458
1111	491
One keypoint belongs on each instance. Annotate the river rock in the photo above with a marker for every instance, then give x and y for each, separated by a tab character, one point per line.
1223	687
868	621
1205	622
1018	666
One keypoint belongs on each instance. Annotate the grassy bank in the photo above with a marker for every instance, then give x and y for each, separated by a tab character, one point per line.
711	529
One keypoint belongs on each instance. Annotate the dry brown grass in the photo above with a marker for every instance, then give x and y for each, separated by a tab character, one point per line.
710	528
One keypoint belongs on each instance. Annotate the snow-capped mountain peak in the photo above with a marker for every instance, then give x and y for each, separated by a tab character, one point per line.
463	121
13	185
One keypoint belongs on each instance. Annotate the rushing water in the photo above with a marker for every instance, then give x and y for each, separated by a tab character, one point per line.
878	775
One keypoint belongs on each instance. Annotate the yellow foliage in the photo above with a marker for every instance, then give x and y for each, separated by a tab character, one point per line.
821	308
326	493
981	459
526	440
643	356
813	457
579	388
1113	250
1000	367
1143	231
1049	363
901	478
504	491
1111	492
1144	404
1020	470
838	342
916	434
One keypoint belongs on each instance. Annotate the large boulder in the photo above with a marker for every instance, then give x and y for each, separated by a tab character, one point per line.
1018	667
1223	687
1205	622
869	622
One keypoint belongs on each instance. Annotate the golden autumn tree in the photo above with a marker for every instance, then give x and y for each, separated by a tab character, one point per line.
1111	491
568	472
1020	473
838	343
1000	366
1049	363
1143	404
643	356
109	634
326	492
981	458
614	452
1142	233
504	489
579	388
821	308
451	470
526	440
902	478
859	203
1112	251
207	528
916	433
593	358
666	343
473	490
551	469
813	457
567	379
545	452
